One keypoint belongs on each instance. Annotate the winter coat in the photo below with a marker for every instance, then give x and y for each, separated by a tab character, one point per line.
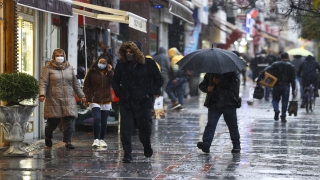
284	71
96	86
224	94
163	59
308	70
59	86
175	71
136	84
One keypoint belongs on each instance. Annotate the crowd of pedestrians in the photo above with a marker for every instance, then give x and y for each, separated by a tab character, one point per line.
138	79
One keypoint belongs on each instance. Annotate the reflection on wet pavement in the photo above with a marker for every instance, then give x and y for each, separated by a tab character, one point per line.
270	150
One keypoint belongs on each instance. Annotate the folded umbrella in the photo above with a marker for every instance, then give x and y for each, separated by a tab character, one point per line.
212	60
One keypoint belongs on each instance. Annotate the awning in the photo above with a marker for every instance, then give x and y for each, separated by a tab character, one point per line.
233	32
265	35
134	21
227	24
53	6
180	11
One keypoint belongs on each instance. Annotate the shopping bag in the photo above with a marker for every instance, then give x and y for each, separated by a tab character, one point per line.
158	108
258	92
113	96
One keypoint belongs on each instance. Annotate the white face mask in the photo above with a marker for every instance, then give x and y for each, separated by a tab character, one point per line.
59	59
102	66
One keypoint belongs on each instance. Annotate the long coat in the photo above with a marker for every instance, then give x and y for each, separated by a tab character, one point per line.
59	86
97	86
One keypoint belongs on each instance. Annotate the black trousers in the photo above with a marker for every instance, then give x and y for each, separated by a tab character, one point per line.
127	124
52	124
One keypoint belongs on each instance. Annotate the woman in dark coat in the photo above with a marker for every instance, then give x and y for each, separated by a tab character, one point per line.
96	87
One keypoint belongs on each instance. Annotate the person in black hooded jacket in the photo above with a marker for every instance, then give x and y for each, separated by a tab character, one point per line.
222	99
308	73
135	81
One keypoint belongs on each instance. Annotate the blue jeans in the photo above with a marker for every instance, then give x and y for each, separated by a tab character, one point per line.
100	118
230	117
176	89
283	93
267	93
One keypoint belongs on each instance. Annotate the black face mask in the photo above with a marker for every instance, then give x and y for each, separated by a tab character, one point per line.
130	57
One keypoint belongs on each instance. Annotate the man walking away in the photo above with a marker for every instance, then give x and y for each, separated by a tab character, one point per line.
284	71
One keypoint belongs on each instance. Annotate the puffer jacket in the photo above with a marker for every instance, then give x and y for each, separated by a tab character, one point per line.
59	87
96	86
224	94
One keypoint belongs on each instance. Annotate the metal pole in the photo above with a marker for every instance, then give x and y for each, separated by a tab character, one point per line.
85	40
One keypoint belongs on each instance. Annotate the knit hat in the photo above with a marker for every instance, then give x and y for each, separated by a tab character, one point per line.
138	44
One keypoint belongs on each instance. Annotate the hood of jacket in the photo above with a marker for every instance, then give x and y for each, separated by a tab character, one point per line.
139	57
162	50
173	52
310	58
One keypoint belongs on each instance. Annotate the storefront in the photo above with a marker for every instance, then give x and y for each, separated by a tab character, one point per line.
39	33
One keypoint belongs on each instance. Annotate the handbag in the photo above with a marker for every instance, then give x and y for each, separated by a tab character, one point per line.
114	98
258	92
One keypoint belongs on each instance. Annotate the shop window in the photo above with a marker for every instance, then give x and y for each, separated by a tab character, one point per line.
55	38
25	46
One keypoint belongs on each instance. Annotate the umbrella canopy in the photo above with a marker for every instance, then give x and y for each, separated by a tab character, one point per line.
299	51
213	60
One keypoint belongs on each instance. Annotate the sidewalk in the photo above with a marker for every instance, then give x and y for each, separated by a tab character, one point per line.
270	149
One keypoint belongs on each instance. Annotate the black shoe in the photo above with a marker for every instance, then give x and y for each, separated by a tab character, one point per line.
127	158
69	146
205	148
283	119
236	149
148	152
276	115
48	142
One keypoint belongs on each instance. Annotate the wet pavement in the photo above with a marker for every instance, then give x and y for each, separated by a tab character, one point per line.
270	149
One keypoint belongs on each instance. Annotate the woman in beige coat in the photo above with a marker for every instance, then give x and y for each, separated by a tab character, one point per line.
58	84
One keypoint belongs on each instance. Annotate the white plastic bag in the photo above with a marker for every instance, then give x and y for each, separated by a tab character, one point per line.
158	108
250	98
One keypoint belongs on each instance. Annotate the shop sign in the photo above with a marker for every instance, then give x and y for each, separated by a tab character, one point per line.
137	22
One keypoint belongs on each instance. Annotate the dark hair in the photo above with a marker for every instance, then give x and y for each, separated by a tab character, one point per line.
107	57
284	55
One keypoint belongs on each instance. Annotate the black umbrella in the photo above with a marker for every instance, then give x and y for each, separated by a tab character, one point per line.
213	60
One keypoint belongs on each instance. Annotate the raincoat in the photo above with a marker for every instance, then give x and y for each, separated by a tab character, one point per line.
163	60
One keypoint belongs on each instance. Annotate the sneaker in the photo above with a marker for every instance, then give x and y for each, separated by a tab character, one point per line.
69	146
96	143
236	149
180	108
102	143
205	148
175	105
148	152
127	158
48	142
276	115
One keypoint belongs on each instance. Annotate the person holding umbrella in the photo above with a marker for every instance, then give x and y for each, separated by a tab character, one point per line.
221	83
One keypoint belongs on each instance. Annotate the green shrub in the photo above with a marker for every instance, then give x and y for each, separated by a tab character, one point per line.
16	87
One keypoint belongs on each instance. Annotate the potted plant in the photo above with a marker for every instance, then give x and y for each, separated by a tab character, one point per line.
14	116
